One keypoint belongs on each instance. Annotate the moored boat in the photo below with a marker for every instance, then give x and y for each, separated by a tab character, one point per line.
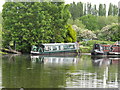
56	49
106	50
99	49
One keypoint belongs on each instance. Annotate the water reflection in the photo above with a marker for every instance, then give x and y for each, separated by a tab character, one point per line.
56	72
103	74
54	60
99	61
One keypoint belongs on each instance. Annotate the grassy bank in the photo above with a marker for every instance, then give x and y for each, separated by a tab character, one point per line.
86	46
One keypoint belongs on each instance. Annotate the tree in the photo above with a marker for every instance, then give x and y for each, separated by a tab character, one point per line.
111	19
86	34
89	21
85	11
80	9
94	10
101	20
73	10
71	34
110	11
0	18
89	8
115	10
32	23
102	10
0	35
110	32
76	22
76	10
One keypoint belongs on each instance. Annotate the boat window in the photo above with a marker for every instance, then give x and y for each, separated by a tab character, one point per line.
97	46
34	48
40	49
61	47
54	48
106	48
65	47
47	48
71	46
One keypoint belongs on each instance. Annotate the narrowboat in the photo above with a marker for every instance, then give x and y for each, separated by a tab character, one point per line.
99	49
56	49
109	50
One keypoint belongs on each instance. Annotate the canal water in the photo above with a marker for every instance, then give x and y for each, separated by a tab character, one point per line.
59	72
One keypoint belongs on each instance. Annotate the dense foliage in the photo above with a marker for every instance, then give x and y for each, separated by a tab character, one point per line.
71	34
76	10
86	34
30	23
0	18
102	21
89	21
79	9
110	33
0	35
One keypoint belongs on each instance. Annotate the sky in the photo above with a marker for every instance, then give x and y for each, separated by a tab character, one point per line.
97	2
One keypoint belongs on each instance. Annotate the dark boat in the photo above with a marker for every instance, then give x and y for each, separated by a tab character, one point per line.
106	50
99	49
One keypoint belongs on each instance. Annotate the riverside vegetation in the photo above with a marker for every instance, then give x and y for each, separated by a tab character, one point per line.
29	23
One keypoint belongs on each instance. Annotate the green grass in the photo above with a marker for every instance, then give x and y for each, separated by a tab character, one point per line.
85	49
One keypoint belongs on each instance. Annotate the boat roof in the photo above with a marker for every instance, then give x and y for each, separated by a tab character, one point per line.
52	44
106	45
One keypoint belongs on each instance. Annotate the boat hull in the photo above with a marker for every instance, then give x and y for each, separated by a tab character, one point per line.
113	53
58	53
98	53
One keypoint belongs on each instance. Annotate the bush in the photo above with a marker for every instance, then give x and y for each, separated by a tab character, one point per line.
71	34
85	49
110	32
92	42
86	34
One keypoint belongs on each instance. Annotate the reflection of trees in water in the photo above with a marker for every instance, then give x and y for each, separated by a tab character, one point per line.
84	79
110	68
93	75
101	61
22	72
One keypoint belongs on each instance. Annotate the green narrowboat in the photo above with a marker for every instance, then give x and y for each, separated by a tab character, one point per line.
56	49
